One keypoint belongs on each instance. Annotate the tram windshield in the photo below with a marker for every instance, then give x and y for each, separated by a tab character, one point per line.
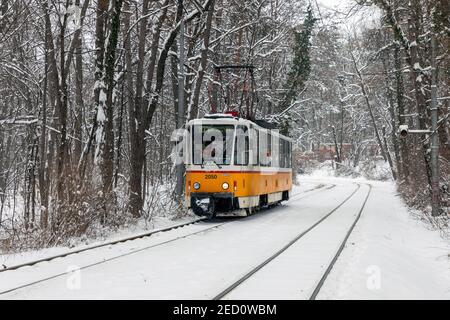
212	144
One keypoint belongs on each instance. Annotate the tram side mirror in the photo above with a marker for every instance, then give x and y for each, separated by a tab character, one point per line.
403	131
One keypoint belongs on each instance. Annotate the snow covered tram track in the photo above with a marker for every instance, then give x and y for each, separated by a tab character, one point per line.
253	271
321	187
308	192
54	275
104	244
341	248
115	257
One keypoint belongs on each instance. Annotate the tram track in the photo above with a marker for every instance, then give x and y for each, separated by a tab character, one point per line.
341	248
106	260
295	197
105	244
308	192
321	282
138	236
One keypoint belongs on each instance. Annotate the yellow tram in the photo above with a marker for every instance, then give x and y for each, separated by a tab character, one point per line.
235	165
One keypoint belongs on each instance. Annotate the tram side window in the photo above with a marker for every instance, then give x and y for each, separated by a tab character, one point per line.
289	154
257	148
263	148
269	150
254	146
282	153
241	146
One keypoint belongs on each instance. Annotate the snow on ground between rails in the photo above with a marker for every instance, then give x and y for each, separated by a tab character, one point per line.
195	267
157	222
390	255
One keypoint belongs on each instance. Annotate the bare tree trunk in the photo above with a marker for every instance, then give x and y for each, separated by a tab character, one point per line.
161	68
193	107
58	95
415	74
369	107
43	184
3	11
63	176
79	103
412	58
119	126
391	107
32	183
174	79
388	154
75	45
137	110
105	112
163	57
442	16
342	113
100	23
99	86
136	122
150	103
404	152
338	153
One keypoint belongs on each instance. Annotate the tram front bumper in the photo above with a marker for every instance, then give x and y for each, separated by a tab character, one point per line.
208	204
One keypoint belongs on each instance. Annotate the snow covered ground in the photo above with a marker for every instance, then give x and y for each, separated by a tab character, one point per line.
390	255
163	220
158	222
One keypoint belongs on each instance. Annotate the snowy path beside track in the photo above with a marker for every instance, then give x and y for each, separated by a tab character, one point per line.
390	255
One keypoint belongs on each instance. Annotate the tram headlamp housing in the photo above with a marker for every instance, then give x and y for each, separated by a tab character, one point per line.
225	186
196	185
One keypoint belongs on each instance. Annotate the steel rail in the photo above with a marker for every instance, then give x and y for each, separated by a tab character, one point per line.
105	244
107	260
341	248
254	270
135	237
311	191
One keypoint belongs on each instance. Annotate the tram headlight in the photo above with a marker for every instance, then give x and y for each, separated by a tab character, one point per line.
225	186
196	185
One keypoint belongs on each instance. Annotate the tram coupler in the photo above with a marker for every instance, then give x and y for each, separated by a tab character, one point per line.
208	204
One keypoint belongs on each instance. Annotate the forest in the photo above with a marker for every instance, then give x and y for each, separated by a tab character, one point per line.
91	91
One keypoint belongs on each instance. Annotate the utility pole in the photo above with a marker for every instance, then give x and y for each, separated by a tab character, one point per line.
180	117
435	192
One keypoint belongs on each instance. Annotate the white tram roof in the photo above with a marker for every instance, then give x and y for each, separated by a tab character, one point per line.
224	118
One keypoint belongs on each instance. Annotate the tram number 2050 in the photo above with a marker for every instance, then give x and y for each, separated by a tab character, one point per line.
210	176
